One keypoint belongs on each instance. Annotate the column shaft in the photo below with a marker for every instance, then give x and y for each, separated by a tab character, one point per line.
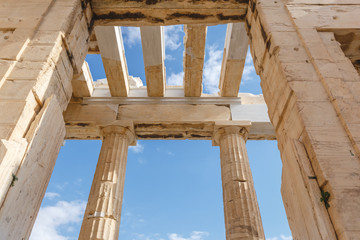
242	215
103	211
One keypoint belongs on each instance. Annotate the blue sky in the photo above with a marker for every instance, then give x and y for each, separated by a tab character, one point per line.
172	188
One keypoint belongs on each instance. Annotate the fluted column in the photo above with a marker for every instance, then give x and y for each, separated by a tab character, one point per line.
242	215
103	211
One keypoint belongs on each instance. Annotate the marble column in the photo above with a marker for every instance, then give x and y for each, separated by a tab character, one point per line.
103	211
242	215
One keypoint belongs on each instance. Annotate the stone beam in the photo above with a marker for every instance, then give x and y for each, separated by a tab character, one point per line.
82	83
172	118
113	56
152	39
93	45
194	53
236	45
170	12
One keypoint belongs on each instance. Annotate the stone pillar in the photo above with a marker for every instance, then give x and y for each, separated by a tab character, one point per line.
242	215
311	89
42	44
103	211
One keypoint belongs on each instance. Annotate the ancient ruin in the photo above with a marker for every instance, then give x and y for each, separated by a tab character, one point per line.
307	53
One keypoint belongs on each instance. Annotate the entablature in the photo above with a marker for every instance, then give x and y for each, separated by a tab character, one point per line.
167	117
167	12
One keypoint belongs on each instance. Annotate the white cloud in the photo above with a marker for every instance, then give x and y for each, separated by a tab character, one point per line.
282	237
78	182
135	82
137	149
141	161
285	238
141	236
176	79
169	57
131	35
195	235
172	35
51	195
248	59
62	186
51	218
212	68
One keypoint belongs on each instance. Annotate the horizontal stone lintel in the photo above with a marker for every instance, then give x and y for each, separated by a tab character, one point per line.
150	131
151	120
142	13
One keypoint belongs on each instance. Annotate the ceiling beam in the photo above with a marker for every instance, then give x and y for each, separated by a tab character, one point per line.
152	39
169	12
236	45
194	53
82	83
93	45
112	52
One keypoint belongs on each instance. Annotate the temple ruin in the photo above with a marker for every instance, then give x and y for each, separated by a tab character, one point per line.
306	52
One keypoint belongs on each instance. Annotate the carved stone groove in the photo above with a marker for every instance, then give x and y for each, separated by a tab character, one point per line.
103	211
242	215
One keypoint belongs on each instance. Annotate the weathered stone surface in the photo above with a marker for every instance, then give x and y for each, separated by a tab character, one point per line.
153	46
306	53
45	42
310	103
103	211
142	12
113	56
165	113
82	84
21	203
11	154
235	49
194	54
242	214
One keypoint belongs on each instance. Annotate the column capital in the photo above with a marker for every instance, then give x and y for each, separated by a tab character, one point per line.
222	130
130	135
